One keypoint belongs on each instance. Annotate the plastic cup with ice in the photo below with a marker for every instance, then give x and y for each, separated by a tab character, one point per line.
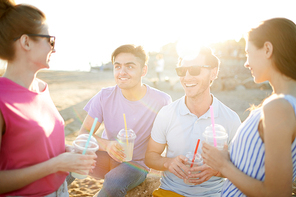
220	136
198	161
126	139
79	147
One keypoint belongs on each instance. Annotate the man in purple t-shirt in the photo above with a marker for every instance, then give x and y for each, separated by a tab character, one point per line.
140	104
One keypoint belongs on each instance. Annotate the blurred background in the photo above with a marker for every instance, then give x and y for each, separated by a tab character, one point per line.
88	31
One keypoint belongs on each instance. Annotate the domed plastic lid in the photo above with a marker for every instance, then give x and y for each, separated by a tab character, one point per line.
197	158
130	134
219	130
83	137
81	144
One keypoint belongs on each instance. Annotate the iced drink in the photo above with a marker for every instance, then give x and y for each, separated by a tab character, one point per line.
221	136
79	146
126	139
197	162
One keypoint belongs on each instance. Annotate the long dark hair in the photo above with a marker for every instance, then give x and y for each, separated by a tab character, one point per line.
281	32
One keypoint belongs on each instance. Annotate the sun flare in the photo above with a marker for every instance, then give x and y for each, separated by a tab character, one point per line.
89	32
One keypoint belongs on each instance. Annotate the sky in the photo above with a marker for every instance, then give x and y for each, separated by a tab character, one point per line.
89	31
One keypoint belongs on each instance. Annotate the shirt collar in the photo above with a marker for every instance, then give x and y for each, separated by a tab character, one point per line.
184	109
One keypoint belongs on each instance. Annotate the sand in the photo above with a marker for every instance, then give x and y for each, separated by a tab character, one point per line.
70	91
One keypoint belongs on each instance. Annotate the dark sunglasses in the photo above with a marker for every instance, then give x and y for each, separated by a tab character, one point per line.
193	70
51	39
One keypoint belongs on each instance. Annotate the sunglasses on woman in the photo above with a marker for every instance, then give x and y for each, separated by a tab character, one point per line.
193	70
51	39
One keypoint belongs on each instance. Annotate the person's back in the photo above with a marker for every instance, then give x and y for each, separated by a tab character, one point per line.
159	66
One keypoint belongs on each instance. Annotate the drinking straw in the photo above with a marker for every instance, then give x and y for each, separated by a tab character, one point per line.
125	129
213	125
195	153
90	134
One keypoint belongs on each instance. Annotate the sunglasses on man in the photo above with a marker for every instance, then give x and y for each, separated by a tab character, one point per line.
51	39
193	70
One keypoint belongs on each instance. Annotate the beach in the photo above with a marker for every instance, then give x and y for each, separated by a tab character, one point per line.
71	90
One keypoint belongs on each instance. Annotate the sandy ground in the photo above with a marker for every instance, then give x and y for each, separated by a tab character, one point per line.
70	92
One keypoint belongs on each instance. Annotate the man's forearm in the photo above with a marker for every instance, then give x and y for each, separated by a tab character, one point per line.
156	161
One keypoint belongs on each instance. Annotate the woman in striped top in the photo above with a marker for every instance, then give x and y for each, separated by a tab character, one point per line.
262	157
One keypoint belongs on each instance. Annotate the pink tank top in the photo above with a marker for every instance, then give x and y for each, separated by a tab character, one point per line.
34	133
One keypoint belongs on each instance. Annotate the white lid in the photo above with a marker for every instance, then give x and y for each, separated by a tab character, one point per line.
198	157
130	134
83	137
219	130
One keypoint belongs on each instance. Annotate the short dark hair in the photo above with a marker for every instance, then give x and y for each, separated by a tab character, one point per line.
137	51
281	33
16	20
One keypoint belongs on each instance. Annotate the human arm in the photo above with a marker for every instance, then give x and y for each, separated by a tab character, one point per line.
205	172
11	180
113	148
153	159
279	126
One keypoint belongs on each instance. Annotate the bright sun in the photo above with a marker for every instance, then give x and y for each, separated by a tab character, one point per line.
90	32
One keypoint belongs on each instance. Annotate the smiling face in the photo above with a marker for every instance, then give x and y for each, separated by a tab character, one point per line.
199	85
128	71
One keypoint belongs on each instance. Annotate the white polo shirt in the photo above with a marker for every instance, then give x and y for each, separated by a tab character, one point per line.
177	127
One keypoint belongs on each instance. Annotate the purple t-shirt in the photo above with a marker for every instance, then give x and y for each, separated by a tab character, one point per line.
109	105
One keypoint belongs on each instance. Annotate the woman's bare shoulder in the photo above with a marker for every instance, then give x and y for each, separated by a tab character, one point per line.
41	84
278	112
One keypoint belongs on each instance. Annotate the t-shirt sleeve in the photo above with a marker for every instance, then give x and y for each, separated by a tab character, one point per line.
169	100
158	132
164	98
94	107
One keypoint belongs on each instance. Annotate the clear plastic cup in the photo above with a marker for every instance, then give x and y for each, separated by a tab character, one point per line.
79	146
221	136
198	161
85	137
127	142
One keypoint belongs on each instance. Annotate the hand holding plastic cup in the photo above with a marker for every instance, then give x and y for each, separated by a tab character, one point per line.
198	161
126	138
79	147
220	138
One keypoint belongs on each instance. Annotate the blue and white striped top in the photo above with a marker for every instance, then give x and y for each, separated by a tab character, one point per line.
247	151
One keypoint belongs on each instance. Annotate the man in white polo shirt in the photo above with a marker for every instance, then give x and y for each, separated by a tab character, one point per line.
179	125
